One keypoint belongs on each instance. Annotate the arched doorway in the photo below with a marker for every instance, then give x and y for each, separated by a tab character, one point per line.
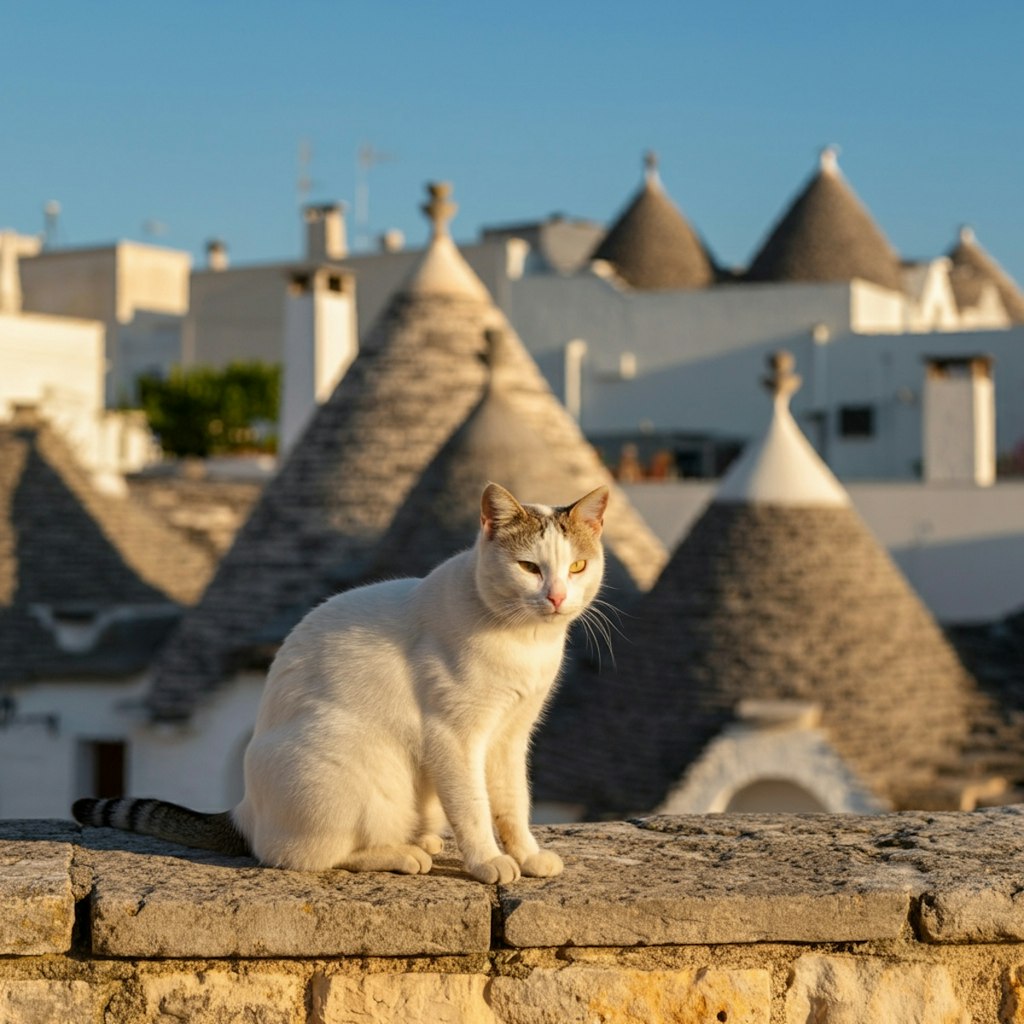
774	795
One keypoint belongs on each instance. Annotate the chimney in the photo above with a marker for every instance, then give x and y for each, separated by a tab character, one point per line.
217	254
325	232
393	240
959	420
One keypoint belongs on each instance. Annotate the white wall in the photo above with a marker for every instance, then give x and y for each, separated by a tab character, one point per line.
41	772
960	546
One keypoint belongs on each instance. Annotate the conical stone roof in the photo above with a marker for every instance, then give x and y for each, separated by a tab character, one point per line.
69	549
827	234
420	373
973	268
765	599
502	440
651	245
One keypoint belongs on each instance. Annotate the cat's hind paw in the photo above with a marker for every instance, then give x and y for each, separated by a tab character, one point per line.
542	864
498	870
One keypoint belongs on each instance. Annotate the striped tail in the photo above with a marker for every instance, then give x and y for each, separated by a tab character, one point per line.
164	820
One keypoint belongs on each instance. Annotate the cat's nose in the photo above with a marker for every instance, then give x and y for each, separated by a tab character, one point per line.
556	599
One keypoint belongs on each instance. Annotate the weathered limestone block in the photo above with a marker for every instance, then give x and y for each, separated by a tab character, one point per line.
25	1000
577	994
708	880
37	906
409	998
963	912
222	998
581	995
1012	1010
863	990
196	905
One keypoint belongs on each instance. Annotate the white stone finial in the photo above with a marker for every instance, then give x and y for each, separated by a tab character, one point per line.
828	159
966	234
650	167
781	381
439	208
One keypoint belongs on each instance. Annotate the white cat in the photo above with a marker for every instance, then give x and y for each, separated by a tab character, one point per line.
394	706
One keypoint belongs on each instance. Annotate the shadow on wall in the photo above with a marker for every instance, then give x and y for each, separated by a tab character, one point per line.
967	581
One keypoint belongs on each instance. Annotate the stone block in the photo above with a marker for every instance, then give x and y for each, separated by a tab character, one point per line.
1012	1009
409	998
965	912
151	904
864	990
582	994
210	997
27	1000
37	906
707	880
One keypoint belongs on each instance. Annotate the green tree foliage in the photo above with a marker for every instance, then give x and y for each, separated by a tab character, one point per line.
202	411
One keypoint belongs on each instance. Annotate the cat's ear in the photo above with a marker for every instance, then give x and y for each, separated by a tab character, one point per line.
498	507
589	510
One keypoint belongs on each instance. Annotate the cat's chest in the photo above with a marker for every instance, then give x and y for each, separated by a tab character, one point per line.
491	665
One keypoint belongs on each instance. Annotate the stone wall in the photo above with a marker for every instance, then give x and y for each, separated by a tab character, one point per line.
768	919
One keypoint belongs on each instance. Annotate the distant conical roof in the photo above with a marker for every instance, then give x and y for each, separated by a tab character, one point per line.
651	245
71	550
973	268
522	438
827	234
420	372
766	598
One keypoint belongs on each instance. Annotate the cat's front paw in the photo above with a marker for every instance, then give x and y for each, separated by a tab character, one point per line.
542	864
498	870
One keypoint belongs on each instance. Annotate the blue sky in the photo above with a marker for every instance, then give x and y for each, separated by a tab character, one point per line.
192	114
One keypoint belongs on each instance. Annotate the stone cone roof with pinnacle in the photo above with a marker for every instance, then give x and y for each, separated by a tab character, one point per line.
420	373
827	234
652	246
70	550
520	436
973	268
771	600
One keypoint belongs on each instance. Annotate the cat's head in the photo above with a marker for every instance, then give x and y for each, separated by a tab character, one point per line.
536	563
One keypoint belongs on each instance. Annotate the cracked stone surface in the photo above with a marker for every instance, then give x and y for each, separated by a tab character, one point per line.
931	879
152	899
754	878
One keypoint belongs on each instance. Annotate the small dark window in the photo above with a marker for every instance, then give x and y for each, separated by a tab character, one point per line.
857	421
334	283
108	763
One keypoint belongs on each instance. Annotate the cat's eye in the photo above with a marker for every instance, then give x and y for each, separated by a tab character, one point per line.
578	566
532	567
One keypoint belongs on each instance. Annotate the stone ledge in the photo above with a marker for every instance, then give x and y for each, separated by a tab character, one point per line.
740	920
660	881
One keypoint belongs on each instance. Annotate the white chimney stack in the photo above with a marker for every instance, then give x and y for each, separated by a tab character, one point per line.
217	254
959	420
325	232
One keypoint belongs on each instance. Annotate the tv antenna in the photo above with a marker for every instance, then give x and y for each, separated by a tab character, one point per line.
367	157
303	182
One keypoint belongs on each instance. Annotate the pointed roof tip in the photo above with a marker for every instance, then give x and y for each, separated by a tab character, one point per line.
442	270
651	176
828	159
781	381
965	235
781	467
439	207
